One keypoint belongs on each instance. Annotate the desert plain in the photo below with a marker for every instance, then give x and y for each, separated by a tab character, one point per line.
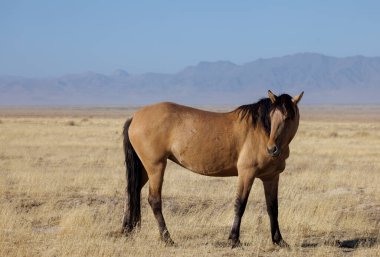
62	179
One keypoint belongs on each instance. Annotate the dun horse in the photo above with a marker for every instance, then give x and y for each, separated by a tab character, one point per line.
249	142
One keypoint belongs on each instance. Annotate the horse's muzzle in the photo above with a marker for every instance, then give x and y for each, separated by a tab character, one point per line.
274	151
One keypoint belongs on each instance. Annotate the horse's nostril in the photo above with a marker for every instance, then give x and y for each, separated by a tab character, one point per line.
274	150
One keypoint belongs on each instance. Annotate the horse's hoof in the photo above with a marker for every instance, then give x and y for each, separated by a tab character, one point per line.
165	237
126	231
234	243
169	242
282	244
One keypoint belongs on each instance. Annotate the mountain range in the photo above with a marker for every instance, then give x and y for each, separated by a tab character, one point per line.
325	80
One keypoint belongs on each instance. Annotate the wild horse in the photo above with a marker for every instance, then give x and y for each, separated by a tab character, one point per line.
250	142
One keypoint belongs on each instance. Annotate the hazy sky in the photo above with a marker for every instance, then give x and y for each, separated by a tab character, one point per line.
49	38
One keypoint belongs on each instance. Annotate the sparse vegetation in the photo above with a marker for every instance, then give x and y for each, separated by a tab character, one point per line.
61	194
70	123
334	134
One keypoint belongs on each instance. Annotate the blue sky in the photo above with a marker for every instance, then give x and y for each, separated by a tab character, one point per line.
50	38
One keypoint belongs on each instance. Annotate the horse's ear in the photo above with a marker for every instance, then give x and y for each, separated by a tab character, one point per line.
272	96
297	98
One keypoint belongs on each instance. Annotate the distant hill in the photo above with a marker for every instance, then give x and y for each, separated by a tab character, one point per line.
325	80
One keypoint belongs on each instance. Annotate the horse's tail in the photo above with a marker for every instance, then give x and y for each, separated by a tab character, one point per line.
134	169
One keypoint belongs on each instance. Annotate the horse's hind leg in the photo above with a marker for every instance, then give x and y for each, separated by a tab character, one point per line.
156	179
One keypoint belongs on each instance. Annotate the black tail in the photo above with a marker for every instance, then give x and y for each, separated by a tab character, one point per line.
134	169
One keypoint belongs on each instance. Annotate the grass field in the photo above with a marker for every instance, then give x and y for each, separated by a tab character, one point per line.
62	180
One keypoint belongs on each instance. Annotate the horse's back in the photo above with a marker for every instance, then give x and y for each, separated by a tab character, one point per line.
166	121
166	117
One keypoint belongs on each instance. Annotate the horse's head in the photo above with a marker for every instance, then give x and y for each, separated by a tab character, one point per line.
284	119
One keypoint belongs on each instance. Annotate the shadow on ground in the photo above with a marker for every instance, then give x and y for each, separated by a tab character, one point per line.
350	243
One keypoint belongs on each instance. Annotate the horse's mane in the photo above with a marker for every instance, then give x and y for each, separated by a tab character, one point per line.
259	111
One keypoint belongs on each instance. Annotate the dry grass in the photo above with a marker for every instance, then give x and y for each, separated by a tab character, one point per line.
61	193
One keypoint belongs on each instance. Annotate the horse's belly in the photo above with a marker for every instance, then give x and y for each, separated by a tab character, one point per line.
205	162
204	146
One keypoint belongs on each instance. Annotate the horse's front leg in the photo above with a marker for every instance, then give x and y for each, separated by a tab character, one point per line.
271	197
245	181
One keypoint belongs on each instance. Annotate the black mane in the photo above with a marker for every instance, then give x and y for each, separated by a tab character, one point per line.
259	112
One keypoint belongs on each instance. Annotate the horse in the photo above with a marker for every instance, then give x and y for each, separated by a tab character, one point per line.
249	142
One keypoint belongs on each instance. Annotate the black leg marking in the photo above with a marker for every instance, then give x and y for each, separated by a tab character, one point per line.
244	187
156	206
271	197
235	230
